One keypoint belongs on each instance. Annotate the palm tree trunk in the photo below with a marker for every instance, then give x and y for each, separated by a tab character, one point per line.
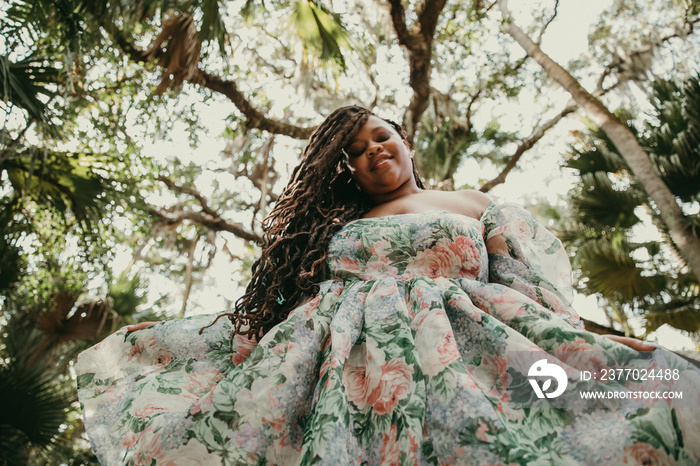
630	149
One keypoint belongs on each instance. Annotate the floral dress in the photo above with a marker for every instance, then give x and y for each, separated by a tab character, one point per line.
418	349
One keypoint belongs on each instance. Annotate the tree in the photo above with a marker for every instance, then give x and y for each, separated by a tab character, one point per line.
639	278
633	153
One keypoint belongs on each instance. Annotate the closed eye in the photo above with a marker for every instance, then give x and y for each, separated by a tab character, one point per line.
358	148
383	136
355	150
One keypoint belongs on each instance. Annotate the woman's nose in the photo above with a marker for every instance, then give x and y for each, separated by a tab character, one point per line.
374	149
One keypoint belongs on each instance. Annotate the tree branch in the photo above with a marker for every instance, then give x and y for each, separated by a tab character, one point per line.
206	220
189	191
526	145
254	118
418	41
188	276
398	18
624	140
549	21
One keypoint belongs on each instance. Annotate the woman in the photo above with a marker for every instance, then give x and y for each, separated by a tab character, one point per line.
384	324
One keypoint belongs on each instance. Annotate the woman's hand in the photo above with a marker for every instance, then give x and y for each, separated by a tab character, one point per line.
633	343
139	326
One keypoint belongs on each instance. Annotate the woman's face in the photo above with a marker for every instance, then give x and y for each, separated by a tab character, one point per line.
381	160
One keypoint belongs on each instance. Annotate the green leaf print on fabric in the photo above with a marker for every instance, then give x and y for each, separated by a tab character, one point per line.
415	350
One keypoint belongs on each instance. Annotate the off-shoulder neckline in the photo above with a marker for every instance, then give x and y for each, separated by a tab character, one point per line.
384	217
488	207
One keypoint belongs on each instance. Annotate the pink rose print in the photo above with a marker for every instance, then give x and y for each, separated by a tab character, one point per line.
394	385
481	432
356	384
494	377
162	359
581	355
644	454
203	404
147	447
141	346
243	347
439	261
129	441
469	254
203	381
348	264
390	452
447	350
380	266
434	341
521	229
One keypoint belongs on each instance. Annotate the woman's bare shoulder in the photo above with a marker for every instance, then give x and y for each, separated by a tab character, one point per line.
469	202
474	200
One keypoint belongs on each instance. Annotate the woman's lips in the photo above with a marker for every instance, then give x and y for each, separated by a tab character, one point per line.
381	160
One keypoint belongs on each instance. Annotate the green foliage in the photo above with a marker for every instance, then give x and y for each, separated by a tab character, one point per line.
209	13
440	151
644	278
33	410
674	136
72	198
600	204
127	294
66	182
320	30
27	84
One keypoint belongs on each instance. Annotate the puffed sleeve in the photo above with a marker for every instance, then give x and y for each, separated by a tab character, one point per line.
538	267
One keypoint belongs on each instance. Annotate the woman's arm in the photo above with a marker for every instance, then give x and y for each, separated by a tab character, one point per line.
497	245
140	325
474	204
633	343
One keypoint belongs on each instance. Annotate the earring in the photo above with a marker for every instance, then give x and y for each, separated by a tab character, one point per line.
347	161
412	153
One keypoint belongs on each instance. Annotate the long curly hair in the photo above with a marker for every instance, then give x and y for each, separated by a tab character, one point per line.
319	199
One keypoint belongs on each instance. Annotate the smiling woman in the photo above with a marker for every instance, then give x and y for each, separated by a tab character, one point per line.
390	324
379	158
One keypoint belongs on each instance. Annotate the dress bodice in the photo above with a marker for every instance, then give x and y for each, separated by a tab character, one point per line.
404	246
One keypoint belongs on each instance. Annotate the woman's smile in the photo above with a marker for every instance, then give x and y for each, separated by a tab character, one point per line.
380	161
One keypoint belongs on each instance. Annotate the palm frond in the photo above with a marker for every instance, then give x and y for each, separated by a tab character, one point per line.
320	31
674	139
67	182
212	25
127	294
33	409
683	316
439	150
611	271
598	203
178	49
32	17
28	84
595	156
